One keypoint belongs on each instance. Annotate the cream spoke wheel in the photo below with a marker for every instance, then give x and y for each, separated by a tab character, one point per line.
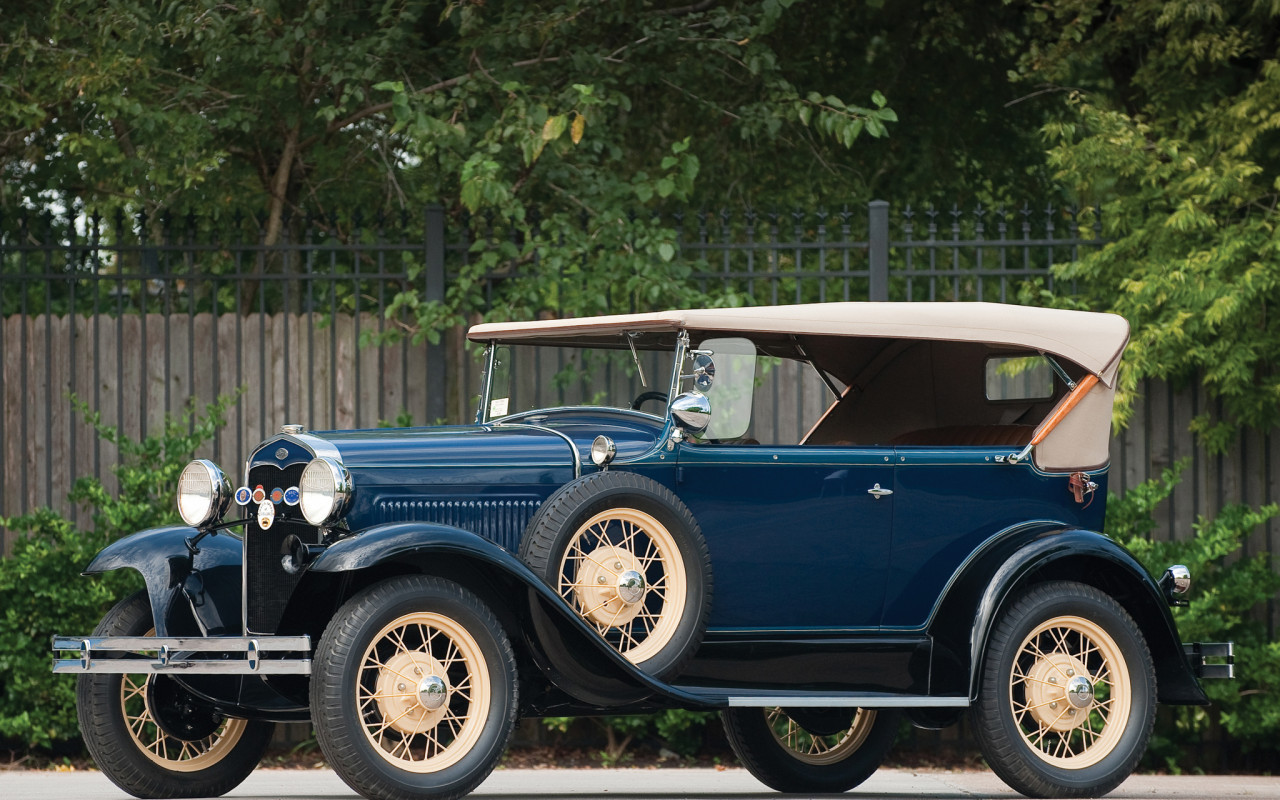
1067	696
627	558
623	572
414	692
165	749
422	692
810	750
152	735
813	748
1069	692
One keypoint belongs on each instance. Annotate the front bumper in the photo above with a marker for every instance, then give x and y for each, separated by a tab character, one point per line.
190	655
1198	652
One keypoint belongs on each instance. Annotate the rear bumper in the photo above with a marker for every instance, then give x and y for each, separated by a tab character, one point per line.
1223	653
191	655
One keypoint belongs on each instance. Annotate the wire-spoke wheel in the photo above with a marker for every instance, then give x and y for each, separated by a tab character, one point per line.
165	749
810	749
423	683
623	574
413	691
1068	693
154	739
627	556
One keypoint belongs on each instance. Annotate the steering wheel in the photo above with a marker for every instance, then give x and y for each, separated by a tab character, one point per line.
645	397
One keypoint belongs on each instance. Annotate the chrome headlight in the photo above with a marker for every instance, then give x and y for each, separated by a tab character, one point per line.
203	493
325	488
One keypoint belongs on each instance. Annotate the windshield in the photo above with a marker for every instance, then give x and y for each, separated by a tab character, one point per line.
531	377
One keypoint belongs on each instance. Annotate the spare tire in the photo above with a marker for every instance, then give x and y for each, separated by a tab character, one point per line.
629	558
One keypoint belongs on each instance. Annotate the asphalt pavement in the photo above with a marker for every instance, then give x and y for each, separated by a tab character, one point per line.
645	784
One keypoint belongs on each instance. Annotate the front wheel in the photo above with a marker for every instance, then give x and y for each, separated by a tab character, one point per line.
413	690
154	739
810	749
1068	693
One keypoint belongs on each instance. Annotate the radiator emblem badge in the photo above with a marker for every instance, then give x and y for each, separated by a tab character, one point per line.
292	496
243	496
266	514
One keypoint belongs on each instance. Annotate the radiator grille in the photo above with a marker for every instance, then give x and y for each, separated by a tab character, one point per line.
267	586
499	521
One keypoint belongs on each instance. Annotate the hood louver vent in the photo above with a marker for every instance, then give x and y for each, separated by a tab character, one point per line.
499	521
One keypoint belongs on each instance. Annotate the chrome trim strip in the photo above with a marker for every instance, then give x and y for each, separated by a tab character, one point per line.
573	448
847	700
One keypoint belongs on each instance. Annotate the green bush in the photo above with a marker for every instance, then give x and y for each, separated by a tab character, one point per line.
42	592
1228	589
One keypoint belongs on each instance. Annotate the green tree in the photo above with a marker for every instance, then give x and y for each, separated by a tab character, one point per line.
1172	136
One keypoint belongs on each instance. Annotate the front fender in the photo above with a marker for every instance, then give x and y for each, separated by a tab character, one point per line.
1051	552
190	592
571	654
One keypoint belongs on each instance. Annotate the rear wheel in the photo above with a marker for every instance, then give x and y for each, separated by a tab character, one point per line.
810	749
413	690
1068	693
154	739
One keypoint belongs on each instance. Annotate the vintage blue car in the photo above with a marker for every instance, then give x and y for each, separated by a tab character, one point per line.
618	532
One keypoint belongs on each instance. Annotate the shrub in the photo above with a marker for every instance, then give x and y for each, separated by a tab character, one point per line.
1227	589
42	592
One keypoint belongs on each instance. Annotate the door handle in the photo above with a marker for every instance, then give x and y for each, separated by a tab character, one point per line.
877	492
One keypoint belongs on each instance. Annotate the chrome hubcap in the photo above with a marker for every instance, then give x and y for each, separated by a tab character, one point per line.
432	692
630	587
1080	692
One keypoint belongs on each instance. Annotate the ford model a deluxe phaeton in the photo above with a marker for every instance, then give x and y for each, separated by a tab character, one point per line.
622	530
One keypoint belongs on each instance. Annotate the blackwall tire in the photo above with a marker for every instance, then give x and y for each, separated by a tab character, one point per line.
119	729
1068	693
628	556
785	755
413	690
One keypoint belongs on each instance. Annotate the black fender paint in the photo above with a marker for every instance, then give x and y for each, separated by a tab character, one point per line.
1042	551
208	579
572	654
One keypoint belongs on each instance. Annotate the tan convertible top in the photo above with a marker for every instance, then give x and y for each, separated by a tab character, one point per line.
1094	341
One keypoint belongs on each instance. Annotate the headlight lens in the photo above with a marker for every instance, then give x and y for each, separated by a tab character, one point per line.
325	488
203	493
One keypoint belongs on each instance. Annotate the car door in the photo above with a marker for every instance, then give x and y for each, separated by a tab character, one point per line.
799	536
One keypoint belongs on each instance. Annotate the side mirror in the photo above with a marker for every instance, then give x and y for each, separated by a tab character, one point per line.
704	372
692	412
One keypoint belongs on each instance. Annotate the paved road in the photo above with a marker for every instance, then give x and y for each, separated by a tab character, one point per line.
639	784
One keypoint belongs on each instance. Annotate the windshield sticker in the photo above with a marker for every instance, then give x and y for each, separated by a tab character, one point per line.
498	408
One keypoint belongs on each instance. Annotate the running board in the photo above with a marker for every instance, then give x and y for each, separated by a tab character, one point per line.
736	697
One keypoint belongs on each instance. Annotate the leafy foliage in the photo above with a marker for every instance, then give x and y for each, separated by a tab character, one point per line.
1228	588
42	592
1172	136
676	729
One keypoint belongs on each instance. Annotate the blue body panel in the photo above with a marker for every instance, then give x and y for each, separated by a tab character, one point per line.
795	539
948	502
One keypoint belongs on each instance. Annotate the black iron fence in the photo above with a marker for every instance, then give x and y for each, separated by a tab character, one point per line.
135	315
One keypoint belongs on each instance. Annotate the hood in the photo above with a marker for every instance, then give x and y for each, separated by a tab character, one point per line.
471	446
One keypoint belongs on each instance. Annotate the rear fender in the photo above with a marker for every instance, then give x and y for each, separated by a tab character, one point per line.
1042	552
192	588
571	654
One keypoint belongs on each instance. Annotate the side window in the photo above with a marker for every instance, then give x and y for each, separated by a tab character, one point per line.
1019	378
731	389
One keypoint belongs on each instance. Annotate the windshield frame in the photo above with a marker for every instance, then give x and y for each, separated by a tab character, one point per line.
483	417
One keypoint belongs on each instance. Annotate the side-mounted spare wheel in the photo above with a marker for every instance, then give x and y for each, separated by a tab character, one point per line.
628	556
1068	693
154	739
